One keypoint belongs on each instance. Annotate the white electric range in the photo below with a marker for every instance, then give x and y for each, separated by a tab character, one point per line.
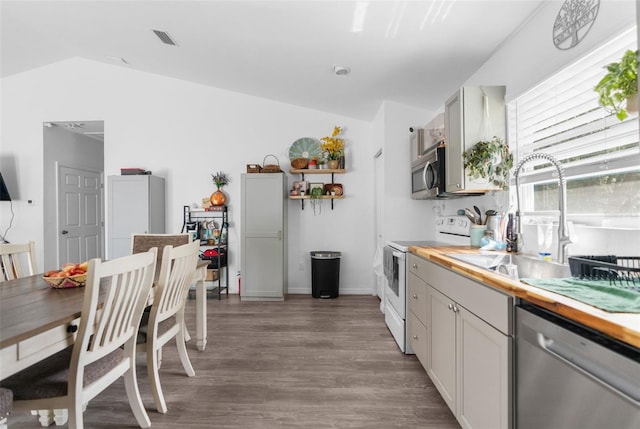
449	230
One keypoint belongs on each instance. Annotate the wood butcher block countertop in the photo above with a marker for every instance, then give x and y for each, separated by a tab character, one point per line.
622	326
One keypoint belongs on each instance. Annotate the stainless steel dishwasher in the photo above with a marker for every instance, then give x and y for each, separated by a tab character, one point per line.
569	376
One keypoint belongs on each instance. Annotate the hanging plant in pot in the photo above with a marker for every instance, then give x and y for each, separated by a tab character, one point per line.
618	89
489	160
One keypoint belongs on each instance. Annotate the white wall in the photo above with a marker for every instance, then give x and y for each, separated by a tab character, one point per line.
184	132
529	56
525	59
404	218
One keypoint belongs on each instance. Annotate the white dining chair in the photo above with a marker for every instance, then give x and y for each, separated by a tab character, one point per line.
13	257
105	347
165	321
143	242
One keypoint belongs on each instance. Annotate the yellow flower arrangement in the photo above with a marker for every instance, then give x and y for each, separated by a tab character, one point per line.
333	145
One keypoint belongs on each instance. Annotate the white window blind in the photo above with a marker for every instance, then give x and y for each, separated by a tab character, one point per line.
562	117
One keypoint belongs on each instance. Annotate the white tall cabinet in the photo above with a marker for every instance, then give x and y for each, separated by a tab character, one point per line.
263	236
135	204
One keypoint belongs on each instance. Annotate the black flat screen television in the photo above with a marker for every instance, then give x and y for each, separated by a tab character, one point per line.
4	192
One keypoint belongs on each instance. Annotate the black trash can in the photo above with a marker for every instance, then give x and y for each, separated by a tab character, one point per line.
325	274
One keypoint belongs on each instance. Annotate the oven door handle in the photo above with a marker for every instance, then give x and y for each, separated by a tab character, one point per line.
424	175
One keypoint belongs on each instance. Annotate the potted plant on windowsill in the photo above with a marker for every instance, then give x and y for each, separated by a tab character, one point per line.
620	86
489	160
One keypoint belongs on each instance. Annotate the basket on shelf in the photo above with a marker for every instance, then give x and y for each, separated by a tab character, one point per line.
271	168
299	163
254	168
79	280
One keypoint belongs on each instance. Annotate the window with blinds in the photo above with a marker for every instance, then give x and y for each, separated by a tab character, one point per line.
600	154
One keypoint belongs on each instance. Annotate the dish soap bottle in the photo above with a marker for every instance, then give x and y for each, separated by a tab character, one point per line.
512	242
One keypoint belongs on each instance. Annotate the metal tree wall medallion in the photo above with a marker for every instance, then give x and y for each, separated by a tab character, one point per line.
574	22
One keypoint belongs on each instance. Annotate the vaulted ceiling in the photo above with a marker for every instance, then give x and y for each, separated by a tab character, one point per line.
410	52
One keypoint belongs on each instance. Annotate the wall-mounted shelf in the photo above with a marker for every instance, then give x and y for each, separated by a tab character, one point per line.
324	197
304	171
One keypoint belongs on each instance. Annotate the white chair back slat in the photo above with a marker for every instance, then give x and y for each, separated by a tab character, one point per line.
18	260
178	266
127	287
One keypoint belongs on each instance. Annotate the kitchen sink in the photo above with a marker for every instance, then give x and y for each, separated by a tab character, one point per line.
527	266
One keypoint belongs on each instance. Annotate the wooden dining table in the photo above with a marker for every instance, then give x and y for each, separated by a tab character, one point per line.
37	320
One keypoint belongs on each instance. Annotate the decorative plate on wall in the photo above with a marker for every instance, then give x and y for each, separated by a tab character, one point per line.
306	147
573	22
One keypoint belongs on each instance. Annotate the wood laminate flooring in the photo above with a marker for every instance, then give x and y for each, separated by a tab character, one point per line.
301	363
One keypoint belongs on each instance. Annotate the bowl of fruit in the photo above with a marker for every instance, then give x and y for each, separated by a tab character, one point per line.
71	275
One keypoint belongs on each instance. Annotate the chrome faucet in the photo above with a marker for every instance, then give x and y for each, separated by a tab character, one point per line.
563	229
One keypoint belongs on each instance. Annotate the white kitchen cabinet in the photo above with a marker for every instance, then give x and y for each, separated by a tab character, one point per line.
136	204
466	123
417	318
442	345
469	345
263	237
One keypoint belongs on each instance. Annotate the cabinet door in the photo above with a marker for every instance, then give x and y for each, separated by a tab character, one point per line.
441	347
417	297
454	171
263	236
136	204
417	338
484	374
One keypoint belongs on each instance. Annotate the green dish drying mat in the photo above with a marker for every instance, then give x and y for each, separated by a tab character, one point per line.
597	293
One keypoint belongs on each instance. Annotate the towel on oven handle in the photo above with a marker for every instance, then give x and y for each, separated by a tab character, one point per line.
387	258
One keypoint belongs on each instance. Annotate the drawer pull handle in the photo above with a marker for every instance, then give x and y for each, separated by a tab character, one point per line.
414	266
415	337
72	329
415	296
450	306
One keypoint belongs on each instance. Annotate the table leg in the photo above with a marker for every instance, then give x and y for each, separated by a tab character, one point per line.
201	313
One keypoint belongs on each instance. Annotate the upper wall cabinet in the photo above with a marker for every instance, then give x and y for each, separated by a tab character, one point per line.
472	114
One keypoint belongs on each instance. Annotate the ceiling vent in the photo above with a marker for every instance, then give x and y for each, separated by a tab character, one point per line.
165	37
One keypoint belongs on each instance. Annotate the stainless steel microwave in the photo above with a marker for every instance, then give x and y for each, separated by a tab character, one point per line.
428	175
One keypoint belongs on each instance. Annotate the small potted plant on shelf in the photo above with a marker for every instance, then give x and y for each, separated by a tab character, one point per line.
334	147
489	160
322	161
220	179
618	89
316	199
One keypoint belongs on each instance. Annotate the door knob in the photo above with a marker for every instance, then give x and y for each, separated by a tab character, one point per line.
64	231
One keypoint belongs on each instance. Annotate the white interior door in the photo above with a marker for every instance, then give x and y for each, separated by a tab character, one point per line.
79	215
